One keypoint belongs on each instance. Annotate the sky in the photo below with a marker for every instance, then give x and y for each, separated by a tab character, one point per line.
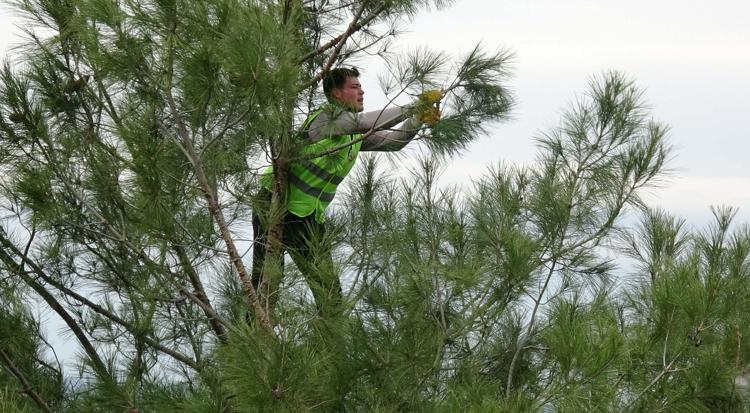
692	58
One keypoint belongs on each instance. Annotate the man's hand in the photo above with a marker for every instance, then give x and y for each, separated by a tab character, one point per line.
429	105
431	97
430	116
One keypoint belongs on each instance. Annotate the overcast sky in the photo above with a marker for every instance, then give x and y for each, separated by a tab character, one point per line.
691	57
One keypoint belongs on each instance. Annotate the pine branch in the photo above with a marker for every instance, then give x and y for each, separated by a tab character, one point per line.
556	255
213	316
275	233
340	41
520	346
186	145
27	387
200	297
363	48
227	126
117	236
667	369
354	26
189	331
83	300
88	347
623	196
286	12
80	93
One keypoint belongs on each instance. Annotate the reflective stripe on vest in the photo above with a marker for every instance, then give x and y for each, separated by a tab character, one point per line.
310	190
313	181
321	173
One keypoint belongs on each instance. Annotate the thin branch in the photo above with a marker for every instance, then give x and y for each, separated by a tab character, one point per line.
88	347
213	315
186	145
521	345
354	26
666	341
667	369
364	48
28	244
287	11
27	388
341	41
197	349
201	298
738	334
83	300
229	124
555	259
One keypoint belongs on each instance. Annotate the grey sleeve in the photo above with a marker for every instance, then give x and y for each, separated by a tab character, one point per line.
394	139
340	122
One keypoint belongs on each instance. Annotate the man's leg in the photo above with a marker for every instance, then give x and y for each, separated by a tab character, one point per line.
310	249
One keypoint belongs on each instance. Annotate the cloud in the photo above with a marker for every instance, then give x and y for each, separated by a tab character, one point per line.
691	195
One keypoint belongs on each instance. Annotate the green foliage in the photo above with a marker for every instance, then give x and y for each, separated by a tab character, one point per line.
305	369
21	348
479	99
692	330
127	117
11	403
475	90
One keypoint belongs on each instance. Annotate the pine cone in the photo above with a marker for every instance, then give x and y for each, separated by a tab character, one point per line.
77	85
16	117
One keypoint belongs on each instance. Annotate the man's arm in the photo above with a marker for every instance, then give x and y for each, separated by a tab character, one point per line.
394	139
341	122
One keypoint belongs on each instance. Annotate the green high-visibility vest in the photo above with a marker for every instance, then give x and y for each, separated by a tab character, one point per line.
313	182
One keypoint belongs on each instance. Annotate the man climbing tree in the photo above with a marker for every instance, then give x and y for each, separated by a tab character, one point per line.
329	142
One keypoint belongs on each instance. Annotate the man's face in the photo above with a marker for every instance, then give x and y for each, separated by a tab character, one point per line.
350	95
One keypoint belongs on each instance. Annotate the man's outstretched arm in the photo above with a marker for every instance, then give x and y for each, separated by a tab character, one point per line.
393	139
340	122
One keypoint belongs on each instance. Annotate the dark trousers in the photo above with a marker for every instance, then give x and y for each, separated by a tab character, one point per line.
306	242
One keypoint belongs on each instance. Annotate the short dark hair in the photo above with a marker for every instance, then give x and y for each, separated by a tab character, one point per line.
336	78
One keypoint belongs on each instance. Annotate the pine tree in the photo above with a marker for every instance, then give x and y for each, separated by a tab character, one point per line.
133	134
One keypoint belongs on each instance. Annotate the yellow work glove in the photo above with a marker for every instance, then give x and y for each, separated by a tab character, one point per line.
430	116
429	104
431	96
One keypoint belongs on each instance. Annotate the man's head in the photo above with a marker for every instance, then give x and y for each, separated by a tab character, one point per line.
342	86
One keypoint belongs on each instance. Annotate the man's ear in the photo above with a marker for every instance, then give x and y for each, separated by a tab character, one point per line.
336	93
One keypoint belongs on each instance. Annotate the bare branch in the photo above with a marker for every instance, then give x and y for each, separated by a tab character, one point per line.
213	316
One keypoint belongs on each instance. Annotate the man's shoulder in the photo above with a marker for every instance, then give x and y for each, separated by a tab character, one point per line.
329	111
329	114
